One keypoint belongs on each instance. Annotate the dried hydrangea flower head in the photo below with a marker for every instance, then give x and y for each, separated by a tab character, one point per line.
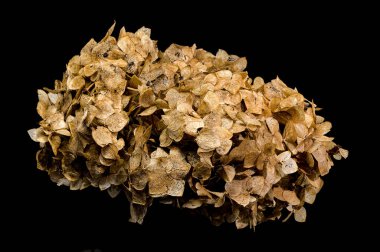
184	127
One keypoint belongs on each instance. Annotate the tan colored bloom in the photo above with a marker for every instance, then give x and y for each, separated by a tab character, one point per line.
184	127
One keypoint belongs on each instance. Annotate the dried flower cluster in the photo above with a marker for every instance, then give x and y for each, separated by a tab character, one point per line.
184	126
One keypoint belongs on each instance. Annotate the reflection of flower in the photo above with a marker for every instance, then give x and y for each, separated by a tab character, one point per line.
185	127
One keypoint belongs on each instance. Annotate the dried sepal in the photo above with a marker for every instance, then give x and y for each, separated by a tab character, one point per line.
102	136
300	215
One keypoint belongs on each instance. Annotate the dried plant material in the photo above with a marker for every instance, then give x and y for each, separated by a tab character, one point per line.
288	164
300	215
291	197
229	173
117	121
184	127
102	136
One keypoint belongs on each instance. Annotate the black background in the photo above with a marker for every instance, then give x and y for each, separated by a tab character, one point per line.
313	48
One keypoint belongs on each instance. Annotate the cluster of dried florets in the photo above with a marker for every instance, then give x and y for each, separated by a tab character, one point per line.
183	126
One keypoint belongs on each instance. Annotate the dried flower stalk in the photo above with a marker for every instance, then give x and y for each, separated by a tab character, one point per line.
183	126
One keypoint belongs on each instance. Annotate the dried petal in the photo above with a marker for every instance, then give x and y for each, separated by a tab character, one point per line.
207	139
76	83
289	166
255	184
149	111
38	135
117	122
300	215
291	197
192	204
229	173
102	136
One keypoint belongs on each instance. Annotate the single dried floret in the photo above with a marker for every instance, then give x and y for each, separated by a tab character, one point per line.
183	127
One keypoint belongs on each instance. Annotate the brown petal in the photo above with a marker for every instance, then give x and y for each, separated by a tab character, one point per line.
102	136
300	215
76	83
149	111
117	121
291	197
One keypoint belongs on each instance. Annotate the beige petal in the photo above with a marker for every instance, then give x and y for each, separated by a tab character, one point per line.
289	166
224	74
240	224
137	213
242	199
235	187
289	102
165	140
110	152
172	96
90	69
63	132
43	97
56	121
225	147
323	128
211	100
343	152
207	139
149	111
54	98
229	172
291	197
192	125
113	191
254	102
147	98
120	143
102	136
255	184
38	135
117	121
176	188
237	128
74	66
250	159
258	82
201	172
201	191
310	194
106	162
76	83
126	45
176	135
240	64
278	193
248	119
55	142
227	123
222	133
272	124
192	204
300	215
283	156
105	108
139	179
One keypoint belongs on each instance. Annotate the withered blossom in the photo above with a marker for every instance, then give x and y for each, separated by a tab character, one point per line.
183	127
